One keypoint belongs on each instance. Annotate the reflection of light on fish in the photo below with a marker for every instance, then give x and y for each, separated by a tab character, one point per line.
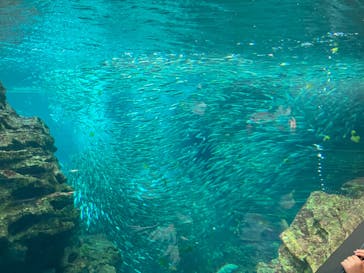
184	238
306	44
73	170
292	123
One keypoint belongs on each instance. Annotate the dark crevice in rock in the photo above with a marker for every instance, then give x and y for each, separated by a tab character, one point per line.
9	159
17	145
320	231
8	173
4	244
5	125
30	191
59	204
72	257
25	222
60	178
34	170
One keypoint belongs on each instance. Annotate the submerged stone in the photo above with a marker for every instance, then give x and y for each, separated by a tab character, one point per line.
321	226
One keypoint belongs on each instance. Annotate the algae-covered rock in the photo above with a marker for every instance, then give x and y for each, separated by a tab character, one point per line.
92	254
322	225
36	206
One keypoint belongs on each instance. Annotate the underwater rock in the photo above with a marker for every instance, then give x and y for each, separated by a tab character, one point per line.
37	214
321	226
92	253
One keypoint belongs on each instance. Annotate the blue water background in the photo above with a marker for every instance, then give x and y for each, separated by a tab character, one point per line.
166	116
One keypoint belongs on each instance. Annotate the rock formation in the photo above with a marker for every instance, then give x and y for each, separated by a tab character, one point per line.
322	224
37	216
36	212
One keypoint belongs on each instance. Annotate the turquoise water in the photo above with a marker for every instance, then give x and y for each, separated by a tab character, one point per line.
192	131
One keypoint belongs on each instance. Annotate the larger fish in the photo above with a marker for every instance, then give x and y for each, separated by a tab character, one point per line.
228	268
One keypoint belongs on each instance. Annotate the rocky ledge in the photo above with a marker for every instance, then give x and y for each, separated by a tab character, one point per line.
37	215
322	225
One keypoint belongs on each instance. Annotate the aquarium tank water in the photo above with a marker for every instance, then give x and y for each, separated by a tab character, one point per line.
192	131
